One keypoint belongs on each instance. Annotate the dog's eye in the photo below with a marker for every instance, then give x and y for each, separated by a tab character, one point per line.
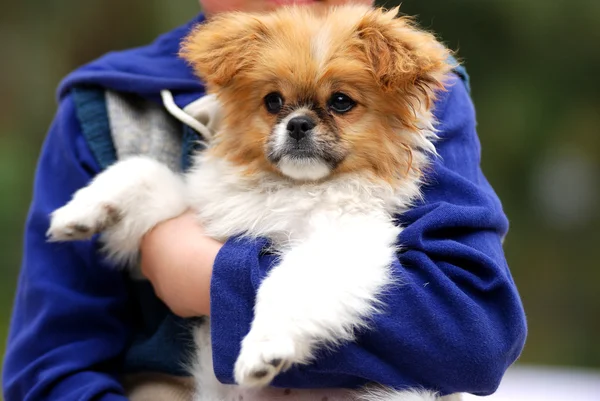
341	103
274	102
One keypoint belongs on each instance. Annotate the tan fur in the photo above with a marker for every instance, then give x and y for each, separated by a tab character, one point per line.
387	65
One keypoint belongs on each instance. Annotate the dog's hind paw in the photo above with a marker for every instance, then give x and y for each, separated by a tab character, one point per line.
80	220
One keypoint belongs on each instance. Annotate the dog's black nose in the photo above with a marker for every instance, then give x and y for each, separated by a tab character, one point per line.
297	127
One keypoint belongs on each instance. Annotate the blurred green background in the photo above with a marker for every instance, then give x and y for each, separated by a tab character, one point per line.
534	66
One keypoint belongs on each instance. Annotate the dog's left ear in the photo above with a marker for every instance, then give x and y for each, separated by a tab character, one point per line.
400	54
224	46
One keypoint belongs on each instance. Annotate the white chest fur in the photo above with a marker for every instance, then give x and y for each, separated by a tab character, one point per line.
229	203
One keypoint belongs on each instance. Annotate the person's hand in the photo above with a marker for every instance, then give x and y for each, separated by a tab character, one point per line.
177	257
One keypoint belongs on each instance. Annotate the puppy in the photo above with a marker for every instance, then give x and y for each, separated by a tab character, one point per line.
326	133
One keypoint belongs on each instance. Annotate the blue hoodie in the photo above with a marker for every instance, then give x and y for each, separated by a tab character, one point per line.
455	325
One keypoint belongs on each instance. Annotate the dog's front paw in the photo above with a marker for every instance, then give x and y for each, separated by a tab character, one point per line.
80	220
261	360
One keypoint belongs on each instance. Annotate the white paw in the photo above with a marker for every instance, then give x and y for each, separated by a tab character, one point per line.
261	360
79	220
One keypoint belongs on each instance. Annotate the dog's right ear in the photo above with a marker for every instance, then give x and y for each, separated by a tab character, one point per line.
224	46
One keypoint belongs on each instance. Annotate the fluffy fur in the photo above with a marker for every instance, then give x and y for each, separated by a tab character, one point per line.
326	201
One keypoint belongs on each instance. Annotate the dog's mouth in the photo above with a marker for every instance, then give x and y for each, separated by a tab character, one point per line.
301	162
295	151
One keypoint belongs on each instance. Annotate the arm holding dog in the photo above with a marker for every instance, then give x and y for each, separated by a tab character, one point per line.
177	257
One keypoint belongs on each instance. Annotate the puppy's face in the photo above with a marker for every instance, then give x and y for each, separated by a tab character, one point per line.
305	141
309	95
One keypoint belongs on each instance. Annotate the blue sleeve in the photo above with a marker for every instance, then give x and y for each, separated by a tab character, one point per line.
456	323
67	330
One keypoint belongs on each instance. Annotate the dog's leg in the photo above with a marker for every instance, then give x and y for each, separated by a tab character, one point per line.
324	289
124	202
208	387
